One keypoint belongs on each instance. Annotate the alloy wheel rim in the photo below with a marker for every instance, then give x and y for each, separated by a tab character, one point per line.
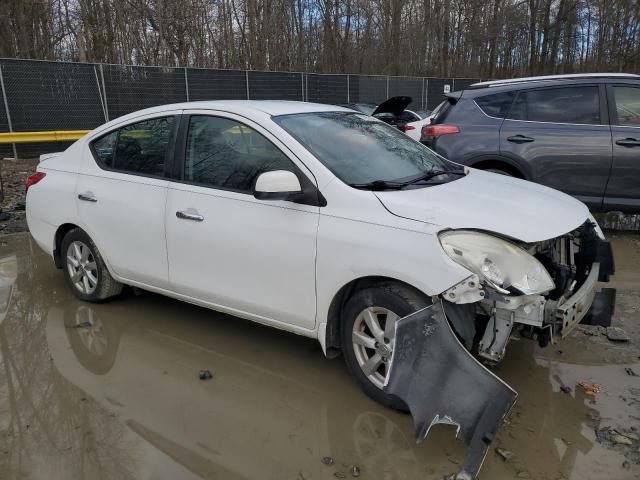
372	337
82	267
91	331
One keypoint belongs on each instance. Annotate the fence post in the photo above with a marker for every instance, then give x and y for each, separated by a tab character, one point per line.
426	93
186	83
348	90
104	112
387	86
6	109
422	96
246	76
302	85
104	91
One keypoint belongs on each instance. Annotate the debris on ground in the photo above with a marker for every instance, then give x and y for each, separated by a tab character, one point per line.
591	389
339	474
355	471
327	460
506	455
205	375
591	330
620	439
630	372
616	334
565	389
84	324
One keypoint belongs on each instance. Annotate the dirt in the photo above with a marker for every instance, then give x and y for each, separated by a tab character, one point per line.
113	391
14	174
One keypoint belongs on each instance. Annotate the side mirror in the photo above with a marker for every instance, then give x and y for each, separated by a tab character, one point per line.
277	185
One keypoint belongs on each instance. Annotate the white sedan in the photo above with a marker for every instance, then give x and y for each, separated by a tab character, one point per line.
324	222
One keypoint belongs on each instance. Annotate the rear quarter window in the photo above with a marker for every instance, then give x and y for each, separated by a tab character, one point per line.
496	105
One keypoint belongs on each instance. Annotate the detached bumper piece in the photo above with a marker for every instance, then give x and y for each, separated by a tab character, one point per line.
441	382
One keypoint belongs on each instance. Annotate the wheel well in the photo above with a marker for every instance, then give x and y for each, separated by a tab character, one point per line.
333	343
499	165
57	242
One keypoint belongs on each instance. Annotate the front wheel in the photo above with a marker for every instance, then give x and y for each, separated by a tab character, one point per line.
368	328
85	270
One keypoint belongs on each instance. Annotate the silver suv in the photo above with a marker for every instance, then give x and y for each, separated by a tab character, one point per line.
576	133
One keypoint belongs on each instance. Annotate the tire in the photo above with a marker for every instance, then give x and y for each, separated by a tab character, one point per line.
85	270
386	301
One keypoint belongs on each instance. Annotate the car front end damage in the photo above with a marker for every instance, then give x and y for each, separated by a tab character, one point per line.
539	291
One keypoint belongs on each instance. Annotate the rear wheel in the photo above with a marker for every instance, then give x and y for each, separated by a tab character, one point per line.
85	270
368	328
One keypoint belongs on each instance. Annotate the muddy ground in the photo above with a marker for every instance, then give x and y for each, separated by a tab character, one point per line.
112	391
14	174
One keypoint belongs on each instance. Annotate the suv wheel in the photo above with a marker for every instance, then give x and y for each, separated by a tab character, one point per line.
368	327
85	270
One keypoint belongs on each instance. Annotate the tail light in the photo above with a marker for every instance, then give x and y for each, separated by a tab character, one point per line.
431	132
408	128
33	179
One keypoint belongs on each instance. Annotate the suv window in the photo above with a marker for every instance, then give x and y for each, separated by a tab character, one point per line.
627	105
137	148
226	154
496	105
580	105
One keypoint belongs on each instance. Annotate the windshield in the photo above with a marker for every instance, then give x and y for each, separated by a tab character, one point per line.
360	150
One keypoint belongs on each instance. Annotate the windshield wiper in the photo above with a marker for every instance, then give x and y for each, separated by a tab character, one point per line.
435	173
378	185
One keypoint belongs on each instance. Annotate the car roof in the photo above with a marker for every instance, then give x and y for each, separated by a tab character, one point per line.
497	86
270	107
574	76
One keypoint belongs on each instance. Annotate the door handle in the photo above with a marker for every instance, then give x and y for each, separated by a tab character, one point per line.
628	142
189	216
87	197
520	139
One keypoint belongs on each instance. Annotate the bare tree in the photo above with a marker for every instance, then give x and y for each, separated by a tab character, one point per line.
496	38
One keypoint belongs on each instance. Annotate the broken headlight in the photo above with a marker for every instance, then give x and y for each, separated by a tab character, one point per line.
501	264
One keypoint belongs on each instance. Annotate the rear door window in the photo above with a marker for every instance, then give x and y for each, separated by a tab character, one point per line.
496	105
627	105
577	105
139	148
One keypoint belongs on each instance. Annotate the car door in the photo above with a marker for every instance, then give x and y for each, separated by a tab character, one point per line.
623	189
121	195
250	257
562	135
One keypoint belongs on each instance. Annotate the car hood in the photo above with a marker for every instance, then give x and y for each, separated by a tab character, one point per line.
395	105
504	205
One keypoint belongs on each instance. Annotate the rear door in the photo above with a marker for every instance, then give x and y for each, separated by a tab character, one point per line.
623	190
121	196
562	134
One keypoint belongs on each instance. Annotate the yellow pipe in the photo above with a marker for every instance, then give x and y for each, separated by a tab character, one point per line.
34	137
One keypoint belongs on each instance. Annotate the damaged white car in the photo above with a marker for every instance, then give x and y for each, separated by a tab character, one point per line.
333	225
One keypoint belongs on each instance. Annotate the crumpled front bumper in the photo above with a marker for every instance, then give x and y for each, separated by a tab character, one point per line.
571	312
441	382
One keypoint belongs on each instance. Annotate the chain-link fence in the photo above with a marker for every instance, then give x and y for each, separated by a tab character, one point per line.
44	96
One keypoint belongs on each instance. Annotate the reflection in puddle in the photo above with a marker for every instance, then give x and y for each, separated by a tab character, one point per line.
112	391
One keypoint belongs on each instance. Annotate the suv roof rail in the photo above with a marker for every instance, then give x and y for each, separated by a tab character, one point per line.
512	81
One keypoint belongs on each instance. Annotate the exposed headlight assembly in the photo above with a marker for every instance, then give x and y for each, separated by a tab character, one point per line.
500	263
